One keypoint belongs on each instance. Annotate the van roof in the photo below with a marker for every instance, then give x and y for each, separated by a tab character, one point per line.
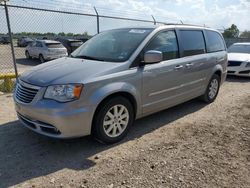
171	26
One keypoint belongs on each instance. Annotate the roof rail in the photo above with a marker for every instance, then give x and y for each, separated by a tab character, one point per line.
185	24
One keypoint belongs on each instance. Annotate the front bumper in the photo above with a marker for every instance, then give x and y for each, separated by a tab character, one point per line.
241	70
54	119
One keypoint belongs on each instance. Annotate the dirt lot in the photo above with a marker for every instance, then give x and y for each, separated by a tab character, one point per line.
191	145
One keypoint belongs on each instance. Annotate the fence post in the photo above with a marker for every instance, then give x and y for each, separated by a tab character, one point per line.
154	19
97	20
11	40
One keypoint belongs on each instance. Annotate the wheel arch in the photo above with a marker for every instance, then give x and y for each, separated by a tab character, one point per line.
218	70
124	94
128	95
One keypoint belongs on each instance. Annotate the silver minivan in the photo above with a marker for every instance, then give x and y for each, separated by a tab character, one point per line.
118	76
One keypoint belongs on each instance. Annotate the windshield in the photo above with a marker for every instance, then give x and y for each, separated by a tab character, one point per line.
239	48
54	45
114	45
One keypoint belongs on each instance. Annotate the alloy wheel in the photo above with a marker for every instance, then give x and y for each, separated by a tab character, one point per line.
116	120
213	88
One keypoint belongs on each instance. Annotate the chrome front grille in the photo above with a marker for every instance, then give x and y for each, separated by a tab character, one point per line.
25	92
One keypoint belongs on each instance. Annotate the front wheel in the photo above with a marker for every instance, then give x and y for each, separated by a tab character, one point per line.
212	89
113	119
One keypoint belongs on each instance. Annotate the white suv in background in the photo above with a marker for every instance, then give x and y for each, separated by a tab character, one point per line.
45	50
239	59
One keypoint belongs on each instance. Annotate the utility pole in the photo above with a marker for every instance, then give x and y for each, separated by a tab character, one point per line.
10	35
97	17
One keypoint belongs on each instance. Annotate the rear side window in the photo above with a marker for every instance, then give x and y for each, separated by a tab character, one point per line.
166	43
214	42
39	44
192	42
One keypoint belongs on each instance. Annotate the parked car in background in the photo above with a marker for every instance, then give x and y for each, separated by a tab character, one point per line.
45	50
239	59
84	39
119	76
4	40
24	41
70	44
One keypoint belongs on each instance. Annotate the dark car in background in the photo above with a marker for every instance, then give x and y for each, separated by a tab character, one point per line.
70	44
24	41
84	39
4	40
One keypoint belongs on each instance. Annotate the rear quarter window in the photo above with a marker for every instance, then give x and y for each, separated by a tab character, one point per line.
214	42
192	42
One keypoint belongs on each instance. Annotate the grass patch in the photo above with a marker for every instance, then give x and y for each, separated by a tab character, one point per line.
7	86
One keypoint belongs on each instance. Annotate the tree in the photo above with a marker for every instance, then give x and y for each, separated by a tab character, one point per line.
70	34
61	34
245	34
231	32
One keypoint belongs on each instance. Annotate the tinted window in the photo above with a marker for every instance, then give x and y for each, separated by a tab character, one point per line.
166	43
32	44
192	42
239	48
39	44
214	42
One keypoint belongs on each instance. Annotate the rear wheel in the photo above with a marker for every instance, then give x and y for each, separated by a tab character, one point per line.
113	119
27	54
212	89
41	58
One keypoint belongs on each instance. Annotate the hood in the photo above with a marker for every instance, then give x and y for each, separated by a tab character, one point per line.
68	70
238	57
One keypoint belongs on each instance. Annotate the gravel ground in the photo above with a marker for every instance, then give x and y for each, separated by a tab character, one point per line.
191	145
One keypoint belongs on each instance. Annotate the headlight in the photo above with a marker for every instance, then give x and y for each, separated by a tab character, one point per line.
64	93
248	64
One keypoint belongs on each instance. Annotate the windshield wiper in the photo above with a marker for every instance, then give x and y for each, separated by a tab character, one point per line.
86	57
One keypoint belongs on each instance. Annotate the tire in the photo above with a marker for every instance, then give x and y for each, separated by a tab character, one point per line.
27	54
41	58
117	123
212	89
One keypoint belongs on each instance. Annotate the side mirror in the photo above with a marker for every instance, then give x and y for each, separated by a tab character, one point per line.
152	56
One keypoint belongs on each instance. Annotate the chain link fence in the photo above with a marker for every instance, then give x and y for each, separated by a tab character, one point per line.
45	21
29	23
6	62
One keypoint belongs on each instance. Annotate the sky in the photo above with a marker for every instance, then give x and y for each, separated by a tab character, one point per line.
214	13
217	14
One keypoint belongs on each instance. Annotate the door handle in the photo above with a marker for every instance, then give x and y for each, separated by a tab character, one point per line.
188	65
178	67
